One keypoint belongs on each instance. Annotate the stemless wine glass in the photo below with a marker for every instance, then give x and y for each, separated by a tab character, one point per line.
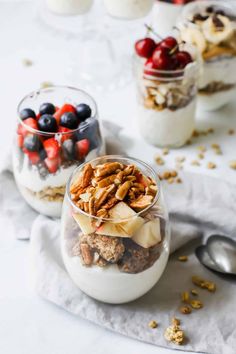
128	9
44	160
166	103
117	257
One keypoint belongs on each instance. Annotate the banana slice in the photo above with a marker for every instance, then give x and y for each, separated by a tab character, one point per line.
215	34
195	37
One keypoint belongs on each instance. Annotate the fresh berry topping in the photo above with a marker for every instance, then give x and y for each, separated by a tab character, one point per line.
64	109
31	123
46	108
53	164
169	43
27	113
68	147
162	60
33	157
149	67
51	147
82	148
183	58
66	136
83	111
90	130
32	143
20	141
42	154
69	120
47	123
145	47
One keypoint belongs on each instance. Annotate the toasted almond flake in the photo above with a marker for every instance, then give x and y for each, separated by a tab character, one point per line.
183	258
194	292
185	297
107	169
178	180
204	284
153	324
106	181
196	304
170	180
142	202
123	190
175	321
211	165
165	151
185	310
232	164
174	173
166	175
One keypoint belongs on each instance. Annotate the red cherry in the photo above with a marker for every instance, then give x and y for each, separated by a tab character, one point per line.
162	59
183	58
145	47
169	43
149	67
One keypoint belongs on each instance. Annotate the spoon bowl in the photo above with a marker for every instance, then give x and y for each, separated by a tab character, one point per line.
204	258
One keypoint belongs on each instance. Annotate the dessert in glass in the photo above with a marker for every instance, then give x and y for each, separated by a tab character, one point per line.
166	80
211	27
115	230
69	7
57	129
128	9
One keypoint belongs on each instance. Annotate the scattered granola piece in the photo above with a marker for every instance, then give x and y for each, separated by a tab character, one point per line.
46	84
215	146
166	175
165	151
175	321
210	130
196	304
183	258
174	334
27	62
231	132
159	160
218	151
174	173
170	180
185	297
189	142
153	324
195	163
185	310
232	164
178	180
194	292
201	156
180	159
204	284
211	165
202	148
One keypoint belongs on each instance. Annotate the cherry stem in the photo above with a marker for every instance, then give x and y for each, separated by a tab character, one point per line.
150	29
173	50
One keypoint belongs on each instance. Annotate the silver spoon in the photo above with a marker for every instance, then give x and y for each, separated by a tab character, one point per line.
222	251
205	259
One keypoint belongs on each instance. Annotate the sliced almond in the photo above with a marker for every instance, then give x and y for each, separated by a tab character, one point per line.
123	190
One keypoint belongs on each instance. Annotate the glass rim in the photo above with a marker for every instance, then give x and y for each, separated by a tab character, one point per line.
43	90
179	72
113	157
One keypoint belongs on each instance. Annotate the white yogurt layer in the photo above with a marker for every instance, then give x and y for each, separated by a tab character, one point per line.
215	100
167	128
110	285
69	7
30	178
129	9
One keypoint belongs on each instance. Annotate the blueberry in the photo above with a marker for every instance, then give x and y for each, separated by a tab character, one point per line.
42	154
27	113
69	120
83	111
32	143
90	130
47	123
68	147
47	108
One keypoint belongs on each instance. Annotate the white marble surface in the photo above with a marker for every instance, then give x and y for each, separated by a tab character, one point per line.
29	324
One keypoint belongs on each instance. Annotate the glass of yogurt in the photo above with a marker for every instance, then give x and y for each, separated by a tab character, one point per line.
69	7
128	9
211	27
57	130
115	229
166	80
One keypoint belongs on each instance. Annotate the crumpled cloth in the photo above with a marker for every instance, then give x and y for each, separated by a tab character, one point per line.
198	207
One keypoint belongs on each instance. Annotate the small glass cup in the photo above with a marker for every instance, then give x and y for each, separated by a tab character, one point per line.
128	9
166	103
42	173
119	268
217	80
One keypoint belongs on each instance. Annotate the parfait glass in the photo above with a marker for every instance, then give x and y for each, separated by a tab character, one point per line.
166	104
43	161
118	257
